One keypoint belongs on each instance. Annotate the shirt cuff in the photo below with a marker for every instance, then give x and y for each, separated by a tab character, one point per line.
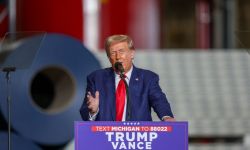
92	117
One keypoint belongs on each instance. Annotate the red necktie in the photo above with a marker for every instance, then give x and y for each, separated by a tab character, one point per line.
120	99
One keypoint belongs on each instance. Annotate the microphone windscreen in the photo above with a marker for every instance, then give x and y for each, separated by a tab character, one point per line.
119	67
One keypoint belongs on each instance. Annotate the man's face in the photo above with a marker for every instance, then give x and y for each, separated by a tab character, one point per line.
119	52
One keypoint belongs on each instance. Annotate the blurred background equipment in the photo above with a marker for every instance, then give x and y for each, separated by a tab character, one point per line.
18	142
46	97
161	24
11	51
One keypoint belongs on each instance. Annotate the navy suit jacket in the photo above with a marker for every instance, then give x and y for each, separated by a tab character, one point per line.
144	93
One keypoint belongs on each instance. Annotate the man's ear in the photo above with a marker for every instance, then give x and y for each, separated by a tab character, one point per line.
132	54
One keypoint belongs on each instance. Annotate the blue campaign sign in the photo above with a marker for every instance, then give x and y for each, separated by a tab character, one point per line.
131	135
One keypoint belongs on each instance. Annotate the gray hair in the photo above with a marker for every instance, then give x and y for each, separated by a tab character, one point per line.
117	39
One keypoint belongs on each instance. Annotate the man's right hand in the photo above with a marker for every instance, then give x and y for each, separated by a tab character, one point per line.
93	102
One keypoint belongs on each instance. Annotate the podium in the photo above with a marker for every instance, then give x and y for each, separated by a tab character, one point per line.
131	135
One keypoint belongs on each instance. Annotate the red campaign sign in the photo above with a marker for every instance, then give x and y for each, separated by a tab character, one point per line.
131	135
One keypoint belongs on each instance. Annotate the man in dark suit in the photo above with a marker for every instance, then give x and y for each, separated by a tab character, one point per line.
102	100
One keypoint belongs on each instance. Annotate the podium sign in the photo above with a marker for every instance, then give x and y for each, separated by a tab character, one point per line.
131	135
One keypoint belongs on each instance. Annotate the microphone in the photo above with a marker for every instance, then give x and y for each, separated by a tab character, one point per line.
119	68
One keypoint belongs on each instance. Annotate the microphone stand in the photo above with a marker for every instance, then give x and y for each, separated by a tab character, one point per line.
8	70
128	110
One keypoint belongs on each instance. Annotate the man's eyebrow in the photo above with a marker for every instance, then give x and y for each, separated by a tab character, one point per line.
117	49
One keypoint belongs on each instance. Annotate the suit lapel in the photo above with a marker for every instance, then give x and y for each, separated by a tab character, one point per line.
133	89
134	80
111	91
